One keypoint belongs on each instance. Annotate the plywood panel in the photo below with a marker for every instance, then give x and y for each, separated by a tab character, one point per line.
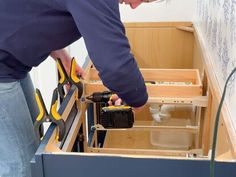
161	46
162	75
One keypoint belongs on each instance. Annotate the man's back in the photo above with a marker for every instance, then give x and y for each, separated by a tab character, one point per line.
34	28
29	31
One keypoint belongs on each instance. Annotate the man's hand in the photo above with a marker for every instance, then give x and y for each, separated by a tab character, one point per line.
66	61
118	101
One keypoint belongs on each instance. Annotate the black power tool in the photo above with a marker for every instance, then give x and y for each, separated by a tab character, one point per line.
112	117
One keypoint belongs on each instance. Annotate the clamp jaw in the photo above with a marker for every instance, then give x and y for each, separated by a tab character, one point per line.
54	116
43	116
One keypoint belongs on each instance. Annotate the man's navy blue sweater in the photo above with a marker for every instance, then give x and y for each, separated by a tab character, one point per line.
31	29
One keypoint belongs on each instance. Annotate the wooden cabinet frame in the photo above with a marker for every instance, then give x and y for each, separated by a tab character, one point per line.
50	160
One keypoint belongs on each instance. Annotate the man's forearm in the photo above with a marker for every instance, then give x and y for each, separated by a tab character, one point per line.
66	61
61	53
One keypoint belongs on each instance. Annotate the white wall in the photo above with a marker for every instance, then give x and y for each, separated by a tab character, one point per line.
44	78
79	51
169	10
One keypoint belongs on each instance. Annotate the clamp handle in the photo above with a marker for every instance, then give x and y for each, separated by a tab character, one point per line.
56	117
63	78
75	79
38	124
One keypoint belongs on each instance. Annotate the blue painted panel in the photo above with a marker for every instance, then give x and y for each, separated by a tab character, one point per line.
91	166
37	166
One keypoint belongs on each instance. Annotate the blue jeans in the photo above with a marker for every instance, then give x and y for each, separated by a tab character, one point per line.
18	143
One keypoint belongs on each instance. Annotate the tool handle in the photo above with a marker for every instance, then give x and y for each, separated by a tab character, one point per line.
38	124
41	105
56	117
62	72
75	79
63	78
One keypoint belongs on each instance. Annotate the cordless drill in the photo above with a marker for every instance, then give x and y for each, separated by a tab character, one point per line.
112	117
100	97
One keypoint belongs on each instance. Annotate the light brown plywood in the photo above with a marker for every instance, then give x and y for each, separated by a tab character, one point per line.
161	45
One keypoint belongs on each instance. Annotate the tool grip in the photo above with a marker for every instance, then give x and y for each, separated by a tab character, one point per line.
74	78
62	72
41	105
63	78
38	124
56	117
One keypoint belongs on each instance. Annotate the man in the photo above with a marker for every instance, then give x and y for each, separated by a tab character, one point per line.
30	30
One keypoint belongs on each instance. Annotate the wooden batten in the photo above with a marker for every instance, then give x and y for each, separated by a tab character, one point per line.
163	75
170	75
170	153
185	28
189	76
158	24
174	91
154	91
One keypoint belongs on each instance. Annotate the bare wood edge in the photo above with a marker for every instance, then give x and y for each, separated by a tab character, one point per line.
176	75
70	104
198	79
150	152
201	101
93	154
68	145
155	90
157	24
198	121
206	129
187	129
216	90
84	126
185	28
